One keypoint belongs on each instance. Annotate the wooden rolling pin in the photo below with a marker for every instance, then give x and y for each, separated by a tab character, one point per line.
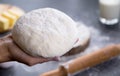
85	61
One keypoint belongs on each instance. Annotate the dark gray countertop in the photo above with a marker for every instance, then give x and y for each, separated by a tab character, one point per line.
86	11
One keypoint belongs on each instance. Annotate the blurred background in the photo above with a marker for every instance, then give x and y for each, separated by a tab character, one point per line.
85	11
72	8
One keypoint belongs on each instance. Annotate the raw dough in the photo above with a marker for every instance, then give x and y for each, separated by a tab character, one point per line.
45	32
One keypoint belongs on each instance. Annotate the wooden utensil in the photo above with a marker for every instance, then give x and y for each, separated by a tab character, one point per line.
85	61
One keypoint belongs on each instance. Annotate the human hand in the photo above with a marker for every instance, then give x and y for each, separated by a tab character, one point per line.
9	51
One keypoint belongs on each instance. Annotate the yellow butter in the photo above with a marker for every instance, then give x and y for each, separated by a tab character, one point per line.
15	13
4	24
12	19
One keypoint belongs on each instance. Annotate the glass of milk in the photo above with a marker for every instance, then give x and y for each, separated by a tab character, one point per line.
109	11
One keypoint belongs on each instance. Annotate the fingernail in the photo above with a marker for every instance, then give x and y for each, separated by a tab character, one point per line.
57	58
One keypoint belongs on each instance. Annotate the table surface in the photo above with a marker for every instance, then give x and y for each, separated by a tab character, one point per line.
86	11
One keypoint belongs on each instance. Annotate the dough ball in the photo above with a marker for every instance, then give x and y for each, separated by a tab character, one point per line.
45	32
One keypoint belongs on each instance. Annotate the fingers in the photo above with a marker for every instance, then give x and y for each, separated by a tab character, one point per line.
8	35
7	38
16	54
37	60
20	56
57	58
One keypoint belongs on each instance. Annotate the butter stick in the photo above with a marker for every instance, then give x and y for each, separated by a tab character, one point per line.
12	19
4	24
15	13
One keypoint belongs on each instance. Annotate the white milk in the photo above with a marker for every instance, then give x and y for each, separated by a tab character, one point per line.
109	11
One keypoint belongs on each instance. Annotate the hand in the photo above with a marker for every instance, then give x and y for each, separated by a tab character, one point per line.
9	51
